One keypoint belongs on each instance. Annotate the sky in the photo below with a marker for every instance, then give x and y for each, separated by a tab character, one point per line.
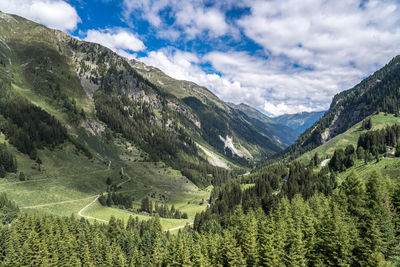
277	56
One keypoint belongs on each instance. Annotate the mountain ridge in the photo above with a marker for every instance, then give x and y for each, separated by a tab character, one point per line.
86	85
300	121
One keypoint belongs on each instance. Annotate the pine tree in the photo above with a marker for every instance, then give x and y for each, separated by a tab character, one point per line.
233	253
249	240
268	254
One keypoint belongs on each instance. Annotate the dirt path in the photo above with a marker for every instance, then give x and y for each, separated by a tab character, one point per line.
109	165
56	203
86	207
179	227
94	201
80	213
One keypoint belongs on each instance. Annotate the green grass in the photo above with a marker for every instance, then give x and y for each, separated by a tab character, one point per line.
326	150
24	91
64	209
387	167
67	176
104	213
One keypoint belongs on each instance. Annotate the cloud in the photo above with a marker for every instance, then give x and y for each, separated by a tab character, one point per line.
282	108
192	18
55	14
121	41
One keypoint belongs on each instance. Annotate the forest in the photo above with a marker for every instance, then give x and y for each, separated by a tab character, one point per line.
28	127
8	162
357	225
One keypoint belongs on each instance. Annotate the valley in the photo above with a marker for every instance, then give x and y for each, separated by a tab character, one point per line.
105	161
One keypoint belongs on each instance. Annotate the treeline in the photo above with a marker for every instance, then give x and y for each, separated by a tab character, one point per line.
343	159
117	199
28	127
161	209
60	99
271	184
8	162
137	122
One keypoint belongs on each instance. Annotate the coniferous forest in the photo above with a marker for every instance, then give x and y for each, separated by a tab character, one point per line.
357	225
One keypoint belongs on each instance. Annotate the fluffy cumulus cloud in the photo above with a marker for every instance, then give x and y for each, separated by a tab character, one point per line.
310	50
191	18
119	40
56	14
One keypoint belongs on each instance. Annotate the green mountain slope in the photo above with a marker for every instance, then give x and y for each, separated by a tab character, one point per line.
300	121
350	137
80	122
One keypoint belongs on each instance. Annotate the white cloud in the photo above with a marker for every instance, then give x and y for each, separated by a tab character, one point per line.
192	18
56	14
119	40
282	108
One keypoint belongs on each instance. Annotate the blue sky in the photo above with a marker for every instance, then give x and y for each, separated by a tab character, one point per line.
278	56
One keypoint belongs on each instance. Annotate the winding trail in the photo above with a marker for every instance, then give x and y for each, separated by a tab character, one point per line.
80	213
86	207
94	201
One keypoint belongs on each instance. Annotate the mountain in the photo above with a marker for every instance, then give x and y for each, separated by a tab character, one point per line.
285	134
218	122
84	88
300	121
377	93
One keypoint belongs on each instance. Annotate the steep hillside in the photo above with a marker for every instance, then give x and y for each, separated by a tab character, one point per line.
300	121
217	122
285	134
79	121
349	137
377	93
82	83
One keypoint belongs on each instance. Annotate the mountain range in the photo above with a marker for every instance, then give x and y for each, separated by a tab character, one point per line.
300	121
90	89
